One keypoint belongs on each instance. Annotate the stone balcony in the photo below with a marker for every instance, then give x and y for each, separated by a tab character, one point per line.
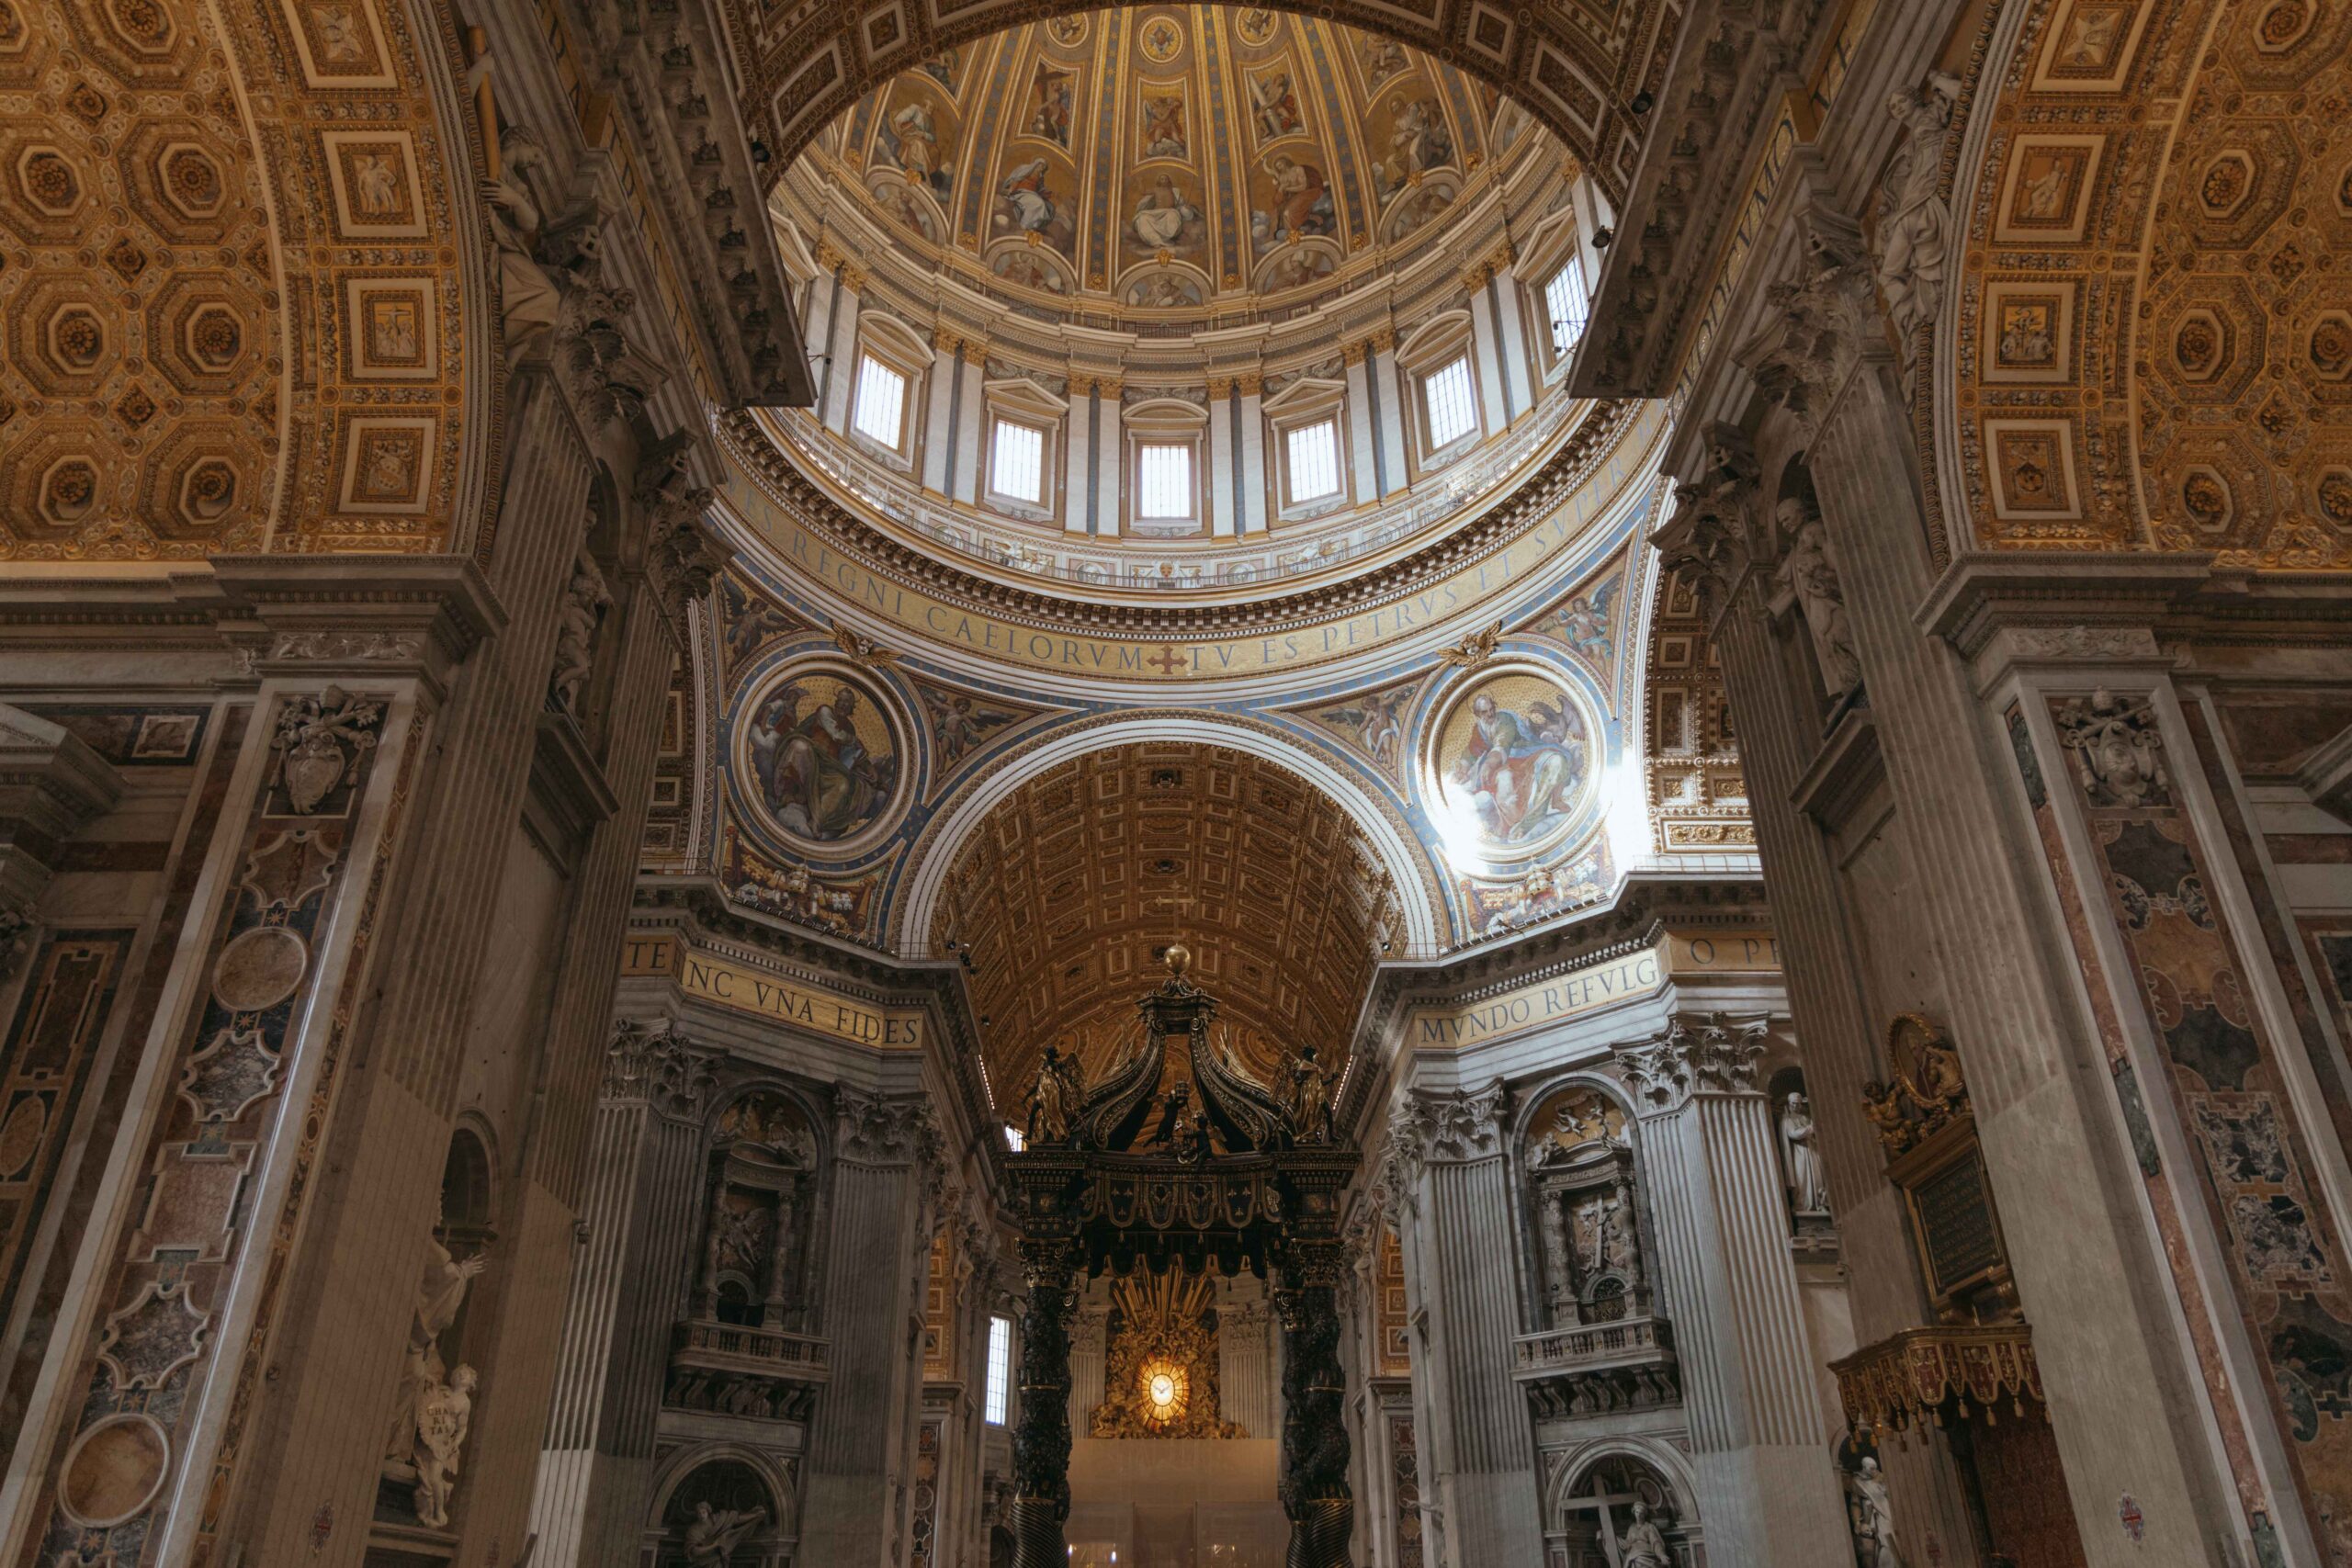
732	1369
1623	1360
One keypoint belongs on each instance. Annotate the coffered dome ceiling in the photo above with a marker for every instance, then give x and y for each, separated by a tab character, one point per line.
1172	161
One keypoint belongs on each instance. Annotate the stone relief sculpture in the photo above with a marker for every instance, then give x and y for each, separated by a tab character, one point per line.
1808	1192
585	602
319	743
713	1534
1913	222
2117	749
1807	575
434	1406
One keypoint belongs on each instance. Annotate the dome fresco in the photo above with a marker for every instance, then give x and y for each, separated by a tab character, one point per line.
1170	160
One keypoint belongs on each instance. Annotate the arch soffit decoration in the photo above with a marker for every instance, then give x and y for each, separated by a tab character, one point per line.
2168	172
692	1457
1661	1458
310	377
811	63
936	850
1523	1119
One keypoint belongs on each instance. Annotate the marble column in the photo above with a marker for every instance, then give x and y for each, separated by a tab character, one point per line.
1222	492
1486	331
630	1286
1511	336
944	424
1110	447
875	1250
1387	397
1250	508
968	417
1245	1365
1446	1173
1768	1493
840	384
1363	449
1082	503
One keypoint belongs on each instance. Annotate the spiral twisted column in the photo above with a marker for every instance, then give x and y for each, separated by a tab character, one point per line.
1314	1489
1041	1440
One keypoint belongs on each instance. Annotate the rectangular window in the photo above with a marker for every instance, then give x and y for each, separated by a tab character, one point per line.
1565	303
1447	393
999	1389
1164	482
1012	1138
881	401
1314	460
1018	465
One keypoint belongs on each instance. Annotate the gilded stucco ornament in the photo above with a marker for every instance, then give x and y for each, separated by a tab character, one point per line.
1928	1090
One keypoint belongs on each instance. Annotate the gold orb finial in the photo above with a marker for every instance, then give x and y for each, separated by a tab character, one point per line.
1178	958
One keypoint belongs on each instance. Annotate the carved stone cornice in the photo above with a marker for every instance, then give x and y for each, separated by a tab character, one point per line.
356	619
1698	1053
653	1064
1528	504
1736	58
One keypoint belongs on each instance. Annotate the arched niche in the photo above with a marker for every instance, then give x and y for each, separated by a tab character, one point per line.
723	1497
1605	1498
760	1199
1576	1145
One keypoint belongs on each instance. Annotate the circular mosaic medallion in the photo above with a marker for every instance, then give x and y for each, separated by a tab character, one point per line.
1511	764
259	969
821	757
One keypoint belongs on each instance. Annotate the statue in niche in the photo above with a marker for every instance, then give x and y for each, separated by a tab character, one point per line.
1643	1544
585	602
443	1415
434	1406
1873	1516
1913	225
1808	1192
713	1534
1309	1098
1806	573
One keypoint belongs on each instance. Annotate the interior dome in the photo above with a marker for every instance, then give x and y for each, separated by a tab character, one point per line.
1175	164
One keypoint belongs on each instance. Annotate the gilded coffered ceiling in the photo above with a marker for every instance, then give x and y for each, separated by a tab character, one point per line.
1067	891
1577	65
2163	186
231	297
1157	159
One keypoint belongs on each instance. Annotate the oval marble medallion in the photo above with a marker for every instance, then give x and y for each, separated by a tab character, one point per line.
20	1135
115	1470
259	969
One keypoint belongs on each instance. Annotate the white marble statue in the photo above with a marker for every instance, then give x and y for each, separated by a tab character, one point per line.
444	1413
528	295
1914	223
1874	1516
712	1535
1643	1545
1808	1192
425	1377
585	600
1808	575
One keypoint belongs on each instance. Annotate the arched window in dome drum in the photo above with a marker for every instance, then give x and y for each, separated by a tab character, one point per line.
1567	306
1452	403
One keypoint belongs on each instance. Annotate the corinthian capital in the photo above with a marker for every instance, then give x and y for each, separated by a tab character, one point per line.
901	1129
1816	320
656	1065
1717	530
1698	1053
1455	1126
